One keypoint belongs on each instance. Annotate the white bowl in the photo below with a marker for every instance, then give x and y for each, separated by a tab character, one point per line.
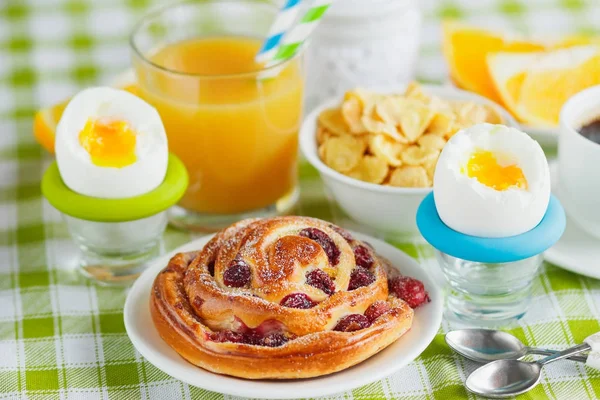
386	209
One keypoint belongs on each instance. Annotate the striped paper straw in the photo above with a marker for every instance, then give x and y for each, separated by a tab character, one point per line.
293	40
296	37
283	22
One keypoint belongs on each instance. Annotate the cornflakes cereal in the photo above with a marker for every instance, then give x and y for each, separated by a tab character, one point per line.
366	98
352	113
343	153
379	127
333	121
390	110
415	118
439	105
469	113
321	152
415	91
387	149
394	139
370	169
410	176
493	116
431	141
416	155
322	135
441	124
430	168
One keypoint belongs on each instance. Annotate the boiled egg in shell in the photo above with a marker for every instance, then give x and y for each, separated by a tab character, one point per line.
111	144
491	181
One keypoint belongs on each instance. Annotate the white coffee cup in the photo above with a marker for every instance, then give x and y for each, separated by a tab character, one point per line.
579	161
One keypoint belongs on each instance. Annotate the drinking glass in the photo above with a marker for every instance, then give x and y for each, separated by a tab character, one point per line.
235	130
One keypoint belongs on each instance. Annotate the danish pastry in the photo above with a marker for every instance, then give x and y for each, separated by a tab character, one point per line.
281	298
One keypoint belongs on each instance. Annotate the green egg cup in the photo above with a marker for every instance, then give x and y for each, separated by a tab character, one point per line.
116	210
116	237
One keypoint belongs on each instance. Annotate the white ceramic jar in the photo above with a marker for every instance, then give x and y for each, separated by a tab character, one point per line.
369	43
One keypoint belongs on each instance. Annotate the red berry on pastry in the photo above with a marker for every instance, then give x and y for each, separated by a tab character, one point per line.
410	290
197	302
343	233
297	300
237	274
362	257
227	336
321	280
360	277
274	339
376	310
352	322
332	251
253	338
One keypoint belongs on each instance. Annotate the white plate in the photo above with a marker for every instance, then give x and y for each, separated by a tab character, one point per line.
576	251
146	340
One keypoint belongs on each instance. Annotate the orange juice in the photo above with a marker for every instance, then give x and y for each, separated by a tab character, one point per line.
235	131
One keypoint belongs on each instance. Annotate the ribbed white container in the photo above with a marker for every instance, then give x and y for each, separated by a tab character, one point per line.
362	43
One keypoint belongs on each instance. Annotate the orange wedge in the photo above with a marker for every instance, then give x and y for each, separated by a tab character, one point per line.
465	49
577	40
46	119
535	86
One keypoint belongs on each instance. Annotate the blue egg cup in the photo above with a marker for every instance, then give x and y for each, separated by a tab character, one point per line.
491	250
490	279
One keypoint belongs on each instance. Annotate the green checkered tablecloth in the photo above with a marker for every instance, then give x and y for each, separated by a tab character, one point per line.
62	337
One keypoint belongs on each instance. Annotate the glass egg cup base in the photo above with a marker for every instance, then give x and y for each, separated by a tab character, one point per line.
116	269
488	294
115	253
493	311
188	220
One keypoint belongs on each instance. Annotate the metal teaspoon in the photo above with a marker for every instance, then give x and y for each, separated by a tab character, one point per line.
506	378
486	345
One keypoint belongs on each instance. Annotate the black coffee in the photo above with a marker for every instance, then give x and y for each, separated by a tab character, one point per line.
591	130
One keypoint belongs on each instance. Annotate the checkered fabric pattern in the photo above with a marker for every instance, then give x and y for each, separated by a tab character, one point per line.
62	337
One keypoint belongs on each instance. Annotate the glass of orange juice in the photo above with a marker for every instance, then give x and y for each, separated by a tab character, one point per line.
233	122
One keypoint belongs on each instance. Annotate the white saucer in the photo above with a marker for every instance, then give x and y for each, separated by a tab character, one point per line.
146	340
546	136
576	251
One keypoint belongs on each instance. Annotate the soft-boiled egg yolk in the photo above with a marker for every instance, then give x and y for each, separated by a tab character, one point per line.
491	181
483	166
110	143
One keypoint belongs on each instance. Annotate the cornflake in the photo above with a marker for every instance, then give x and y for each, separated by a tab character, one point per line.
343	153
431	141
332	121
352	113
370	169
417	155
394	139
410	176
387	149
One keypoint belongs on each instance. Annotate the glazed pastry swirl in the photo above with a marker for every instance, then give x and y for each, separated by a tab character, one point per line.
295	291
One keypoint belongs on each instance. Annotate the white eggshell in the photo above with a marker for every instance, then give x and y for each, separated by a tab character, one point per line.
468	206
151	150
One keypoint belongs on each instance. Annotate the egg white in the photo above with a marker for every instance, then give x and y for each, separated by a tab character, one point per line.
470	207
151	150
